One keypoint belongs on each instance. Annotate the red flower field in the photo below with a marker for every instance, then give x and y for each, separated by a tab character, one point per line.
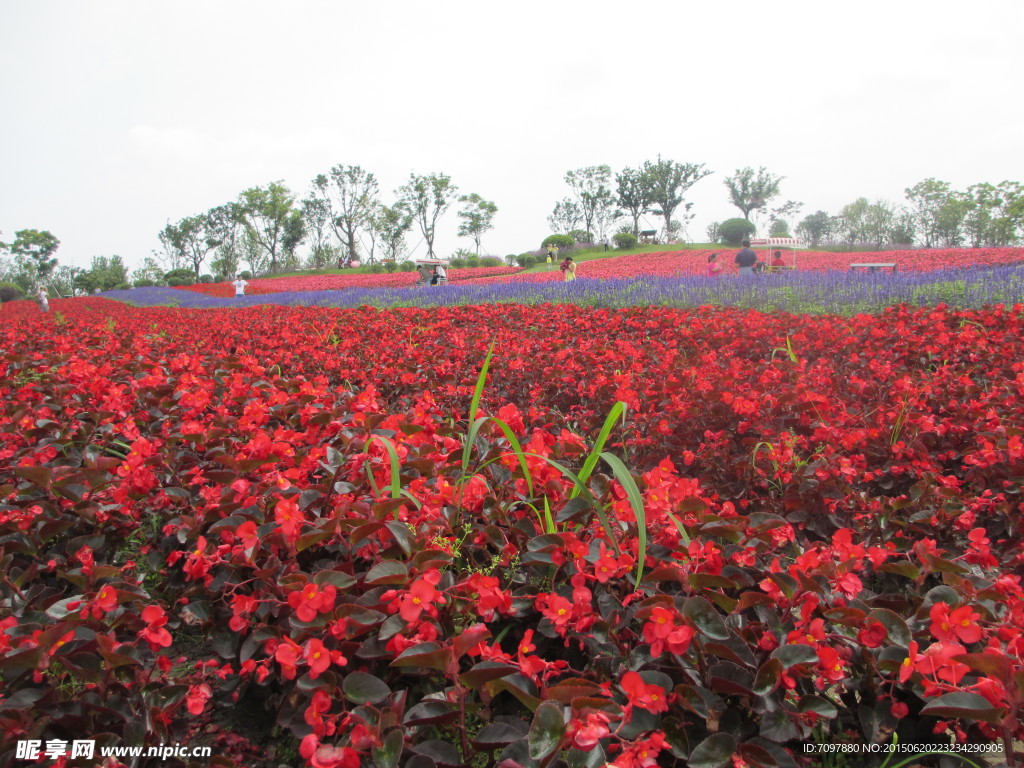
802	530
694	262
341	281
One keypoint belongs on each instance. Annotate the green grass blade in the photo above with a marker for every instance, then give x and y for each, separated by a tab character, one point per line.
619	409
549	523
601	514
679	527
481	380
636	501
396	475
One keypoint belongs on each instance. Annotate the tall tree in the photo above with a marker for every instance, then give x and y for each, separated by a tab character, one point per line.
565	217
194	237
265	213
37	247
316	212
634	195
815	228
926	200
668	182
852	221
750	190
477	217
294	234
390	223
426	198
352	195
591	188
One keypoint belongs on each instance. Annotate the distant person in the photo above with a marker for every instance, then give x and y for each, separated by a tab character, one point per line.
568	268
239	284
441	274
551	261
714	268
604	242
44	299
746	259
777	262
551	251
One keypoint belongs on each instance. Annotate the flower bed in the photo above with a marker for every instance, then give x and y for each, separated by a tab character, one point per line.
830	292
806	529
344	281
694	262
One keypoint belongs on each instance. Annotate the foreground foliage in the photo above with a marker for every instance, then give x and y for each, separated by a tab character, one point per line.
818	534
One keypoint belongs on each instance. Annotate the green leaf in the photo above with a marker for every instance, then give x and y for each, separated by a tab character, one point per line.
705	618
546	731
389	752
431	711
388	572
619	409
767	677
363	688
895	627
819	705
790	655
637	503
396	476
714	752
964	704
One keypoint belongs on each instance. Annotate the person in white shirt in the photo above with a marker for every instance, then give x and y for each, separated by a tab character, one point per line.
440	274
239	286
44	300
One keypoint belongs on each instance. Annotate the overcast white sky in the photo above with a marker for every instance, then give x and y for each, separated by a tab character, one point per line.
117	116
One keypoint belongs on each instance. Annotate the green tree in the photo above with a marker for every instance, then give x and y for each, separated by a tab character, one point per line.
316	212
149	272
565	217
852	221
266	212
816	228
949	220
104	274
294	235
477	217
194	237
750	190
634	195
352	196
591	188
391	223
926	201
37	247
668	182
426	198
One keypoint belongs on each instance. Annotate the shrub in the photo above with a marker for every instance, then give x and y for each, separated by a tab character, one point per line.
245	275
581	236
206	278
735	231
779	229
182	276
144	282
624	240
375	268
529	260
559	241
511	259
10	292
390	266
407	266
122	287
456	262
491	261
473	261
